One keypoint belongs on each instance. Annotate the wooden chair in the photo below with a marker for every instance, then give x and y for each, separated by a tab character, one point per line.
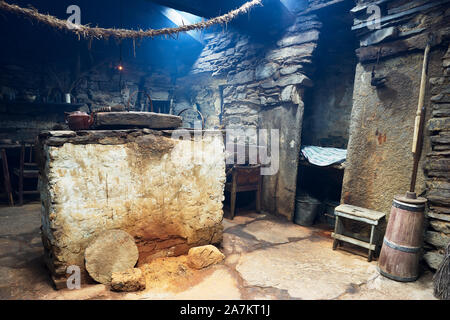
244	178
6	177
26	170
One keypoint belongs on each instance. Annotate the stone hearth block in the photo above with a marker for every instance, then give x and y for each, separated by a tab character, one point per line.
133	119
165	192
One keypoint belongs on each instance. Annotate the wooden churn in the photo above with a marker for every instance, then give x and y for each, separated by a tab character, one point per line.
402	244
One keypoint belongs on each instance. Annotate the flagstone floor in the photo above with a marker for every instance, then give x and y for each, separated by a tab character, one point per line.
266	258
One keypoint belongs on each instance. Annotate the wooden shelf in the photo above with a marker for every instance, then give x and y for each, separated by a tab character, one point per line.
19	107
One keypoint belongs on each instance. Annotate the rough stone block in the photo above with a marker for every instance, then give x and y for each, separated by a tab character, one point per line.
242	77
202	257
433	259
265	70
268	84
290	69
437	239
309	36
440	226
441	110
439	124
304	50
294	79
130	280
441	98
438	192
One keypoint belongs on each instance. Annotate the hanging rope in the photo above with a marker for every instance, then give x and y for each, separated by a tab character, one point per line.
104	33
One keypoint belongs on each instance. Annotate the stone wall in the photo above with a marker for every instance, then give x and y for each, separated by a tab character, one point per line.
261	85
98	86
379	153
379	162
437	168
328	104
140	181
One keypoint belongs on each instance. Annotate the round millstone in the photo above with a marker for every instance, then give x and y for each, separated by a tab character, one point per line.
112	251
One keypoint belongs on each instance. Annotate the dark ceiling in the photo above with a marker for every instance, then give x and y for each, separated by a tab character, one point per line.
272	16
203	8
24	40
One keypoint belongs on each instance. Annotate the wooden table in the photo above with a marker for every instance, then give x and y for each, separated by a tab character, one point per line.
362	215
6	176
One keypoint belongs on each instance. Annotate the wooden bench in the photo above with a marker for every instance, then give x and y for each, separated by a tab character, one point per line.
362	215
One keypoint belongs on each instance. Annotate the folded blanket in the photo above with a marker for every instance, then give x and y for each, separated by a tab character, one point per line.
321	156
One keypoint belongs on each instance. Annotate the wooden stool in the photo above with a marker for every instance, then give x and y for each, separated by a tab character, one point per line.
370	217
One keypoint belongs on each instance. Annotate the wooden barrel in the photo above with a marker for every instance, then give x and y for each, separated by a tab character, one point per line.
402	244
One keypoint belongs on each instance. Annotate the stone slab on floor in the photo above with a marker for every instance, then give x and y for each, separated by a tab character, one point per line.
306	269
276	231
22	271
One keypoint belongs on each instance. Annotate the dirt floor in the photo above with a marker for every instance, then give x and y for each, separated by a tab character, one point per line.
266	258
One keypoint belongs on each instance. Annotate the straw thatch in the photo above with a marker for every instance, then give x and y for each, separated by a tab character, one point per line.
120	34
442	278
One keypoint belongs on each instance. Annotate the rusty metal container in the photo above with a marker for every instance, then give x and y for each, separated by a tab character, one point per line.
402	244
79	120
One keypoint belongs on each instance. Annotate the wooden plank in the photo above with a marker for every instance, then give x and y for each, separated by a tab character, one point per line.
149	120
353	241
38	108
352	217
353	212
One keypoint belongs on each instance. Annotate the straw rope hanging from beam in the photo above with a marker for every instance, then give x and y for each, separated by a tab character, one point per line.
120	34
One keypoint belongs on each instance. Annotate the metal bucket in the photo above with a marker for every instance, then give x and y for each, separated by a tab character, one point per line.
330	217
307	209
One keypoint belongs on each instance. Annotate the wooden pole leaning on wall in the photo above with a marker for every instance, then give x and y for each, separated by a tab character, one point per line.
420	120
